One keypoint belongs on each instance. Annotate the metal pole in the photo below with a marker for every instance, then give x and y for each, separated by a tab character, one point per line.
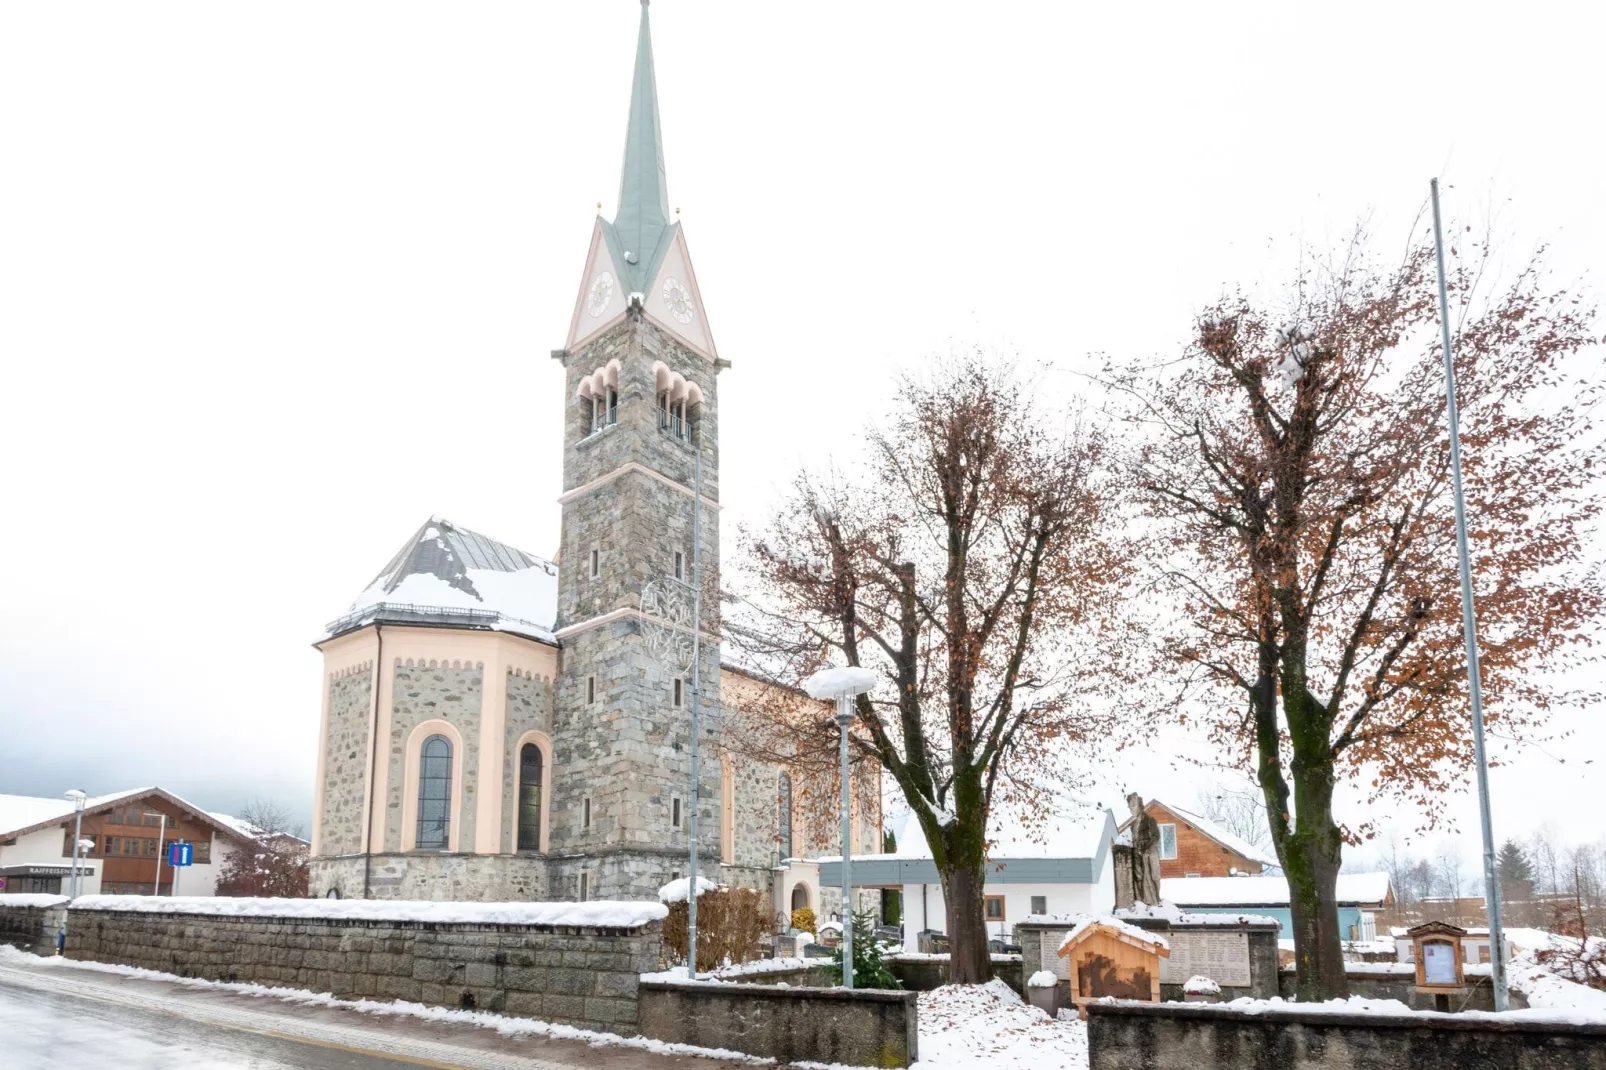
160	836
77	838
1497	964
696	699
178	871
844	717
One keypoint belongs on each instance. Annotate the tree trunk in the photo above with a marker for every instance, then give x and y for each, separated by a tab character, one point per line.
968	961
1310	854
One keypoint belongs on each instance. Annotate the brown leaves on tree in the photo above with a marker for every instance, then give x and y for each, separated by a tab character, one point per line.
974	566
1295	468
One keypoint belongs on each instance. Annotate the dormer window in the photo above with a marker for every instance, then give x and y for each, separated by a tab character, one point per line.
679	403
599	398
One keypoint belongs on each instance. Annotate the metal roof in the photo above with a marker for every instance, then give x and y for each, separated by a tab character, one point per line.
448	553
640	233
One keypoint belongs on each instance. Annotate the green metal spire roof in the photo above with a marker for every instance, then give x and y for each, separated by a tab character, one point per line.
640	233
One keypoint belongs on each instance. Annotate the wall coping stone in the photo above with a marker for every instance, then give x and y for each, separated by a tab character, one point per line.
844	995
1465	1022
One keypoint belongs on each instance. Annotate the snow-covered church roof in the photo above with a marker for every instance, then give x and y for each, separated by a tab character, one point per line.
449	576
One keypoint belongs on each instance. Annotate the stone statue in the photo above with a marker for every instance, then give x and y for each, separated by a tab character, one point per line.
1145	853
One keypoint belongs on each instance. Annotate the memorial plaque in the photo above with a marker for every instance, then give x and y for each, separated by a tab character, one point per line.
1221	956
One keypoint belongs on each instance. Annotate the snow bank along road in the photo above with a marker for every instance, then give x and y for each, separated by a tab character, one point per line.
52	1016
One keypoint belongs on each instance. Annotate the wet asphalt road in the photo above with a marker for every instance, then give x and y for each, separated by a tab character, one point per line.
49	1029
55	1013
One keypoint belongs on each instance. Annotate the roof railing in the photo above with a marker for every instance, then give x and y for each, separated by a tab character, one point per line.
483	618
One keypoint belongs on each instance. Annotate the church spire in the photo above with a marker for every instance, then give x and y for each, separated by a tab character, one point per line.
641	220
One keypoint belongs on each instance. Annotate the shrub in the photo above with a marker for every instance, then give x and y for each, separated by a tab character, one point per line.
804	920
869	967
732	924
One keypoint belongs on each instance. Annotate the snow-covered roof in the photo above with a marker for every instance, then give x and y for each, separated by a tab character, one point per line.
1080	923
454	577
1075	832
24	813
21	814
1265	891
1235	844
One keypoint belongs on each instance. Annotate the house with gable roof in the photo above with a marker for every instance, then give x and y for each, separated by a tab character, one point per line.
126	840
1192	845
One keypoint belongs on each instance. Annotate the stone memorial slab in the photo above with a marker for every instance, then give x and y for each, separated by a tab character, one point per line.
1221	956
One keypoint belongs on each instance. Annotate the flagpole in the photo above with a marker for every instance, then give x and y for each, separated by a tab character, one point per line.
1491	881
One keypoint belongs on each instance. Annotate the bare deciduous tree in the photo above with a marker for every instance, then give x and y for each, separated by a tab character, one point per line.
1297	468
273	860
974	568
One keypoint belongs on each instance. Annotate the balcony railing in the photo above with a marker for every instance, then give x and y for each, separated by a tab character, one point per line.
603	420
676	426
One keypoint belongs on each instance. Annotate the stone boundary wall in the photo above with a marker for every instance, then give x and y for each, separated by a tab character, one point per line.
1173	1036
31	928
864	1027
1479	994
1262	941
572	975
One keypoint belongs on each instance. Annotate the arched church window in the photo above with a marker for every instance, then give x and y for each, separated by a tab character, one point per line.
434	793
530	773
783	815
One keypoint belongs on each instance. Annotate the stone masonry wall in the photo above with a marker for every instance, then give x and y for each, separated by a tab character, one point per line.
346	762
438	875
580	976
834	1026
424	692
30	928
1176	1036
529	709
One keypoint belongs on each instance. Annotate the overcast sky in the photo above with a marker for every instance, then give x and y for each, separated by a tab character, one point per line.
278	282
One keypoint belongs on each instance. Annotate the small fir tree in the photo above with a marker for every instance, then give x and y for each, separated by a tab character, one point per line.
869	965
1516	874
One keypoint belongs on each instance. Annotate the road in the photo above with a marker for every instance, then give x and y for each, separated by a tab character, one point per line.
59	1015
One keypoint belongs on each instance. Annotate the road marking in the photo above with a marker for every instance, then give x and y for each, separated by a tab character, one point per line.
411	1050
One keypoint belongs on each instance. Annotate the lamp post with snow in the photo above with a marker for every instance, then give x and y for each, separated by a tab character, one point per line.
79	798
844	685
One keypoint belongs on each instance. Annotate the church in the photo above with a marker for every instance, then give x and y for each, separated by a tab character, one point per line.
498	726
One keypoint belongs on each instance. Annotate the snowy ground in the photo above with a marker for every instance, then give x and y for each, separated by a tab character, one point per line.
976	1026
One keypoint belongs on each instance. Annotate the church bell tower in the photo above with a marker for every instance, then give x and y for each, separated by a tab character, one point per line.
640	405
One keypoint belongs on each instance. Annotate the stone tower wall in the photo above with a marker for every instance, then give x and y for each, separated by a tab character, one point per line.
346	762
629	751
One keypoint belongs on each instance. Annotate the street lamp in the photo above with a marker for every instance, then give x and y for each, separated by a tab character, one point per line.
161	835
79	798
844	685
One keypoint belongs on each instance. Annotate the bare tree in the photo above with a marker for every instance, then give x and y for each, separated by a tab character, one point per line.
976	567
273	859
1295	463
1240	810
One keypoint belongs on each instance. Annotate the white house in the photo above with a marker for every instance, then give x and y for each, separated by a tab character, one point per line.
1058	866
126	834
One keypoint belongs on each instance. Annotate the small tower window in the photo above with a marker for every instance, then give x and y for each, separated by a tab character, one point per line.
596	563
585	814
585	887
678	687
591	690
680	565
674	812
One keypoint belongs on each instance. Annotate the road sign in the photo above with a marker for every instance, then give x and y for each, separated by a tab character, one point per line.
180	854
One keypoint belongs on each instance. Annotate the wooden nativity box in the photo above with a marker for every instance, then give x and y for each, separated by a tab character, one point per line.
1108	958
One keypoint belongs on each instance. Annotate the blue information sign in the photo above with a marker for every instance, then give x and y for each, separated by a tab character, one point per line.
180	854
